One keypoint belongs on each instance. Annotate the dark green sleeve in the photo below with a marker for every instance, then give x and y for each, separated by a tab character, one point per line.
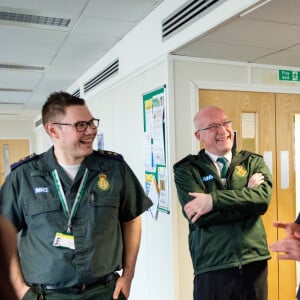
134	200
228	205
237	204
186	181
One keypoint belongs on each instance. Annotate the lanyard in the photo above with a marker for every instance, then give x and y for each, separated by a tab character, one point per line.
63	200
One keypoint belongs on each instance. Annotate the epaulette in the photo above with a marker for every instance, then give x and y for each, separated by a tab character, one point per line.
249	153
185	159
22	161
111	154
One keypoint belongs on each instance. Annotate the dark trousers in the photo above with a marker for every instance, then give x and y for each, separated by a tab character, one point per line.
99	292
298	293
246	283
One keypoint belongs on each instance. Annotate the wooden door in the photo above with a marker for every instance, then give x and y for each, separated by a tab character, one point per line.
11	151
287	105
266	112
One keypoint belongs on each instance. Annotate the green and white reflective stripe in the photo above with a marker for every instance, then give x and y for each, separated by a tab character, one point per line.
63	199
61	193
79	195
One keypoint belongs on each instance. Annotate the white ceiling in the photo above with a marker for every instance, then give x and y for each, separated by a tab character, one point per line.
268	35
62	54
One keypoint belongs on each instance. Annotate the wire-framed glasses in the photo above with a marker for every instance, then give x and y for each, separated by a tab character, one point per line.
216	126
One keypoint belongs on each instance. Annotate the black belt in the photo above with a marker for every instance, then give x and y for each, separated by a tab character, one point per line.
80	287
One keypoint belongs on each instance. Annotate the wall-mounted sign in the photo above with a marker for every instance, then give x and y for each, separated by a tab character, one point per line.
289	75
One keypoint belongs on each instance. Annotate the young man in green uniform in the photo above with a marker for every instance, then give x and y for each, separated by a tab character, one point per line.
77	212
223	194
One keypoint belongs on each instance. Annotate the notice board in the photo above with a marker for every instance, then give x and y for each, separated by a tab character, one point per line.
156	183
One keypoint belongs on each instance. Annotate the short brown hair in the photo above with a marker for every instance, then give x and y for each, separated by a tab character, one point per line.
56	103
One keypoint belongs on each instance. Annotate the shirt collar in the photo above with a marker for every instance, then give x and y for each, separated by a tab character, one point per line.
214	157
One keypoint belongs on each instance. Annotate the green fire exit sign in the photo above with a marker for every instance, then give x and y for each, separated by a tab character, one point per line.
289	75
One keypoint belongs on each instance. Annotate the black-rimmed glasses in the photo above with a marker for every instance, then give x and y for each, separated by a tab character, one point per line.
82	125
214	127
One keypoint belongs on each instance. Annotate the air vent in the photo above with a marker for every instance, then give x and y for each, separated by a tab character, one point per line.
33	19
106	73
76	93
186	14
21	67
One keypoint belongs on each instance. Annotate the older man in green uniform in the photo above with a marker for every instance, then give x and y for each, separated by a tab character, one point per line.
223	194
77	211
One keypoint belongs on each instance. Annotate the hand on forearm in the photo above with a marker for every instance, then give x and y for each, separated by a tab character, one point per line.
200	205
255	180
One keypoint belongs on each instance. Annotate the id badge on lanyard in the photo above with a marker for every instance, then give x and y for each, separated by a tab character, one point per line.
66	239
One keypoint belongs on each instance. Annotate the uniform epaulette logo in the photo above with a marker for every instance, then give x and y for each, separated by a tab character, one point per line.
241	171
103	182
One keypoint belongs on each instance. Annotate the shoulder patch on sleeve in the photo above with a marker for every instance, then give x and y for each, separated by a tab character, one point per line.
111	154
22	161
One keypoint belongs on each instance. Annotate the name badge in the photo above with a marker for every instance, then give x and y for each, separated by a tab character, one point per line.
64	240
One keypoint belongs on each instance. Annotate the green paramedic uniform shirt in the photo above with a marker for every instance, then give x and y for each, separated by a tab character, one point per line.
112	194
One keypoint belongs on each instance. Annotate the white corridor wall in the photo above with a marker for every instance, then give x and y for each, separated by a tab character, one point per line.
120	111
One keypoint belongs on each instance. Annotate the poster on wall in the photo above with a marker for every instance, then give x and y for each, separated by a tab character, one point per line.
100	141
154	105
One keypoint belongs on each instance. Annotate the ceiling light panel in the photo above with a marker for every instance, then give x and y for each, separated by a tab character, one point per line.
34	19
21	67
10	16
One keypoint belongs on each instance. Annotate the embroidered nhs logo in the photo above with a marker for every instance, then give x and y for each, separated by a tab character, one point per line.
41	190
207	178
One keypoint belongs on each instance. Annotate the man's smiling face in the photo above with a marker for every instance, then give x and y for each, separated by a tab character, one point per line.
214	130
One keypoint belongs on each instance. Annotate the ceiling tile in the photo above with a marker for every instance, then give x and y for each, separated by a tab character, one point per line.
19	79
283	58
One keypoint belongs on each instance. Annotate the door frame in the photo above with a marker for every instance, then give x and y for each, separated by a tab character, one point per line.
199	84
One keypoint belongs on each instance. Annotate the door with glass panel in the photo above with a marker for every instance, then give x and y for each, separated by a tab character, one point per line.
11	151
287	143
256	119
